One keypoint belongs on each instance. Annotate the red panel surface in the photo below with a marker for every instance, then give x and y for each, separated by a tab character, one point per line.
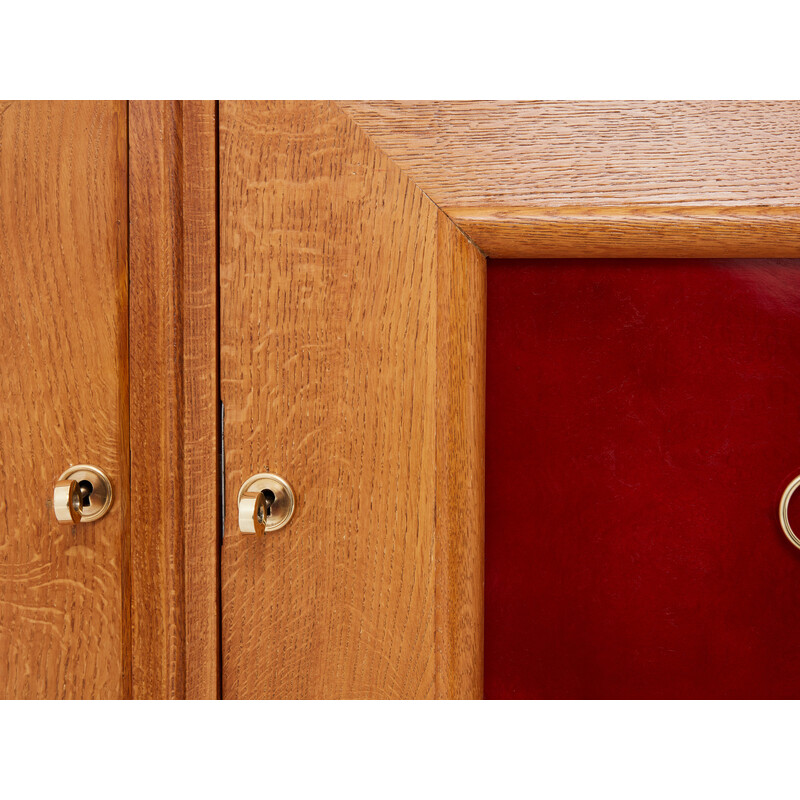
643	419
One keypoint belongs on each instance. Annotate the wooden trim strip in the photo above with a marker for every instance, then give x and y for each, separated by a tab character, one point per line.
460	447
201	473
633	231
173	394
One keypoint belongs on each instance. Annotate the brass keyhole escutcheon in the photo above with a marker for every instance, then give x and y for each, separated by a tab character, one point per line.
266	503
82	494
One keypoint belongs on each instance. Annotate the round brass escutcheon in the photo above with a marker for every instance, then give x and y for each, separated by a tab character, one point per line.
96	494
266	503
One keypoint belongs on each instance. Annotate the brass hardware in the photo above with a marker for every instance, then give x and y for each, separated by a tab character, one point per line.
67	502
784	511
82	494
266	503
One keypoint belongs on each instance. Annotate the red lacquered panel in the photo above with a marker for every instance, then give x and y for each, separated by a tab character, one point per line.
643	419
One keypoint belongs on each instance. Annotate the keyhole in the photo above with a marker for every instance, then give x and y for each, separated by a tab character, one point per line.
86	491
269	496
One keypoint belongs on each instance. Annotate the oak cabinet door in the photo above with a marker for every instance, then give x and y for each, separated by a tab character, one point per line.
340	329
63	395
313	349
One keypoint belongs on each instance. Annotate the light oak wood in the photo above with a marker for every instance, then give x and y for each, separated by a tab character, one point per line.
586	179
174	400
333	374
201	452
636	232
64	388
352	363
459	452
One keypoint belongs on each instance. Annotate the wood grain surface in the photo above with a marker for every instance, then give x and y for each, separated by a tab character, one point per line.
460	440
636	232
330	374
174	402
64	390
585	179
201	457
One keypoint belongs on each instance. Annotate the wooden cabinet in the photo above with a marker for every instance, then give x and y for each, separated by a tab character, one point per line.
199	292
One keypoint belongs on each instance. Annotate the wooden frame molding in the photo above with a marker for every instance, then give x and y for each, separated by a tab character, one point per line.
460	445
174	399
603	179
